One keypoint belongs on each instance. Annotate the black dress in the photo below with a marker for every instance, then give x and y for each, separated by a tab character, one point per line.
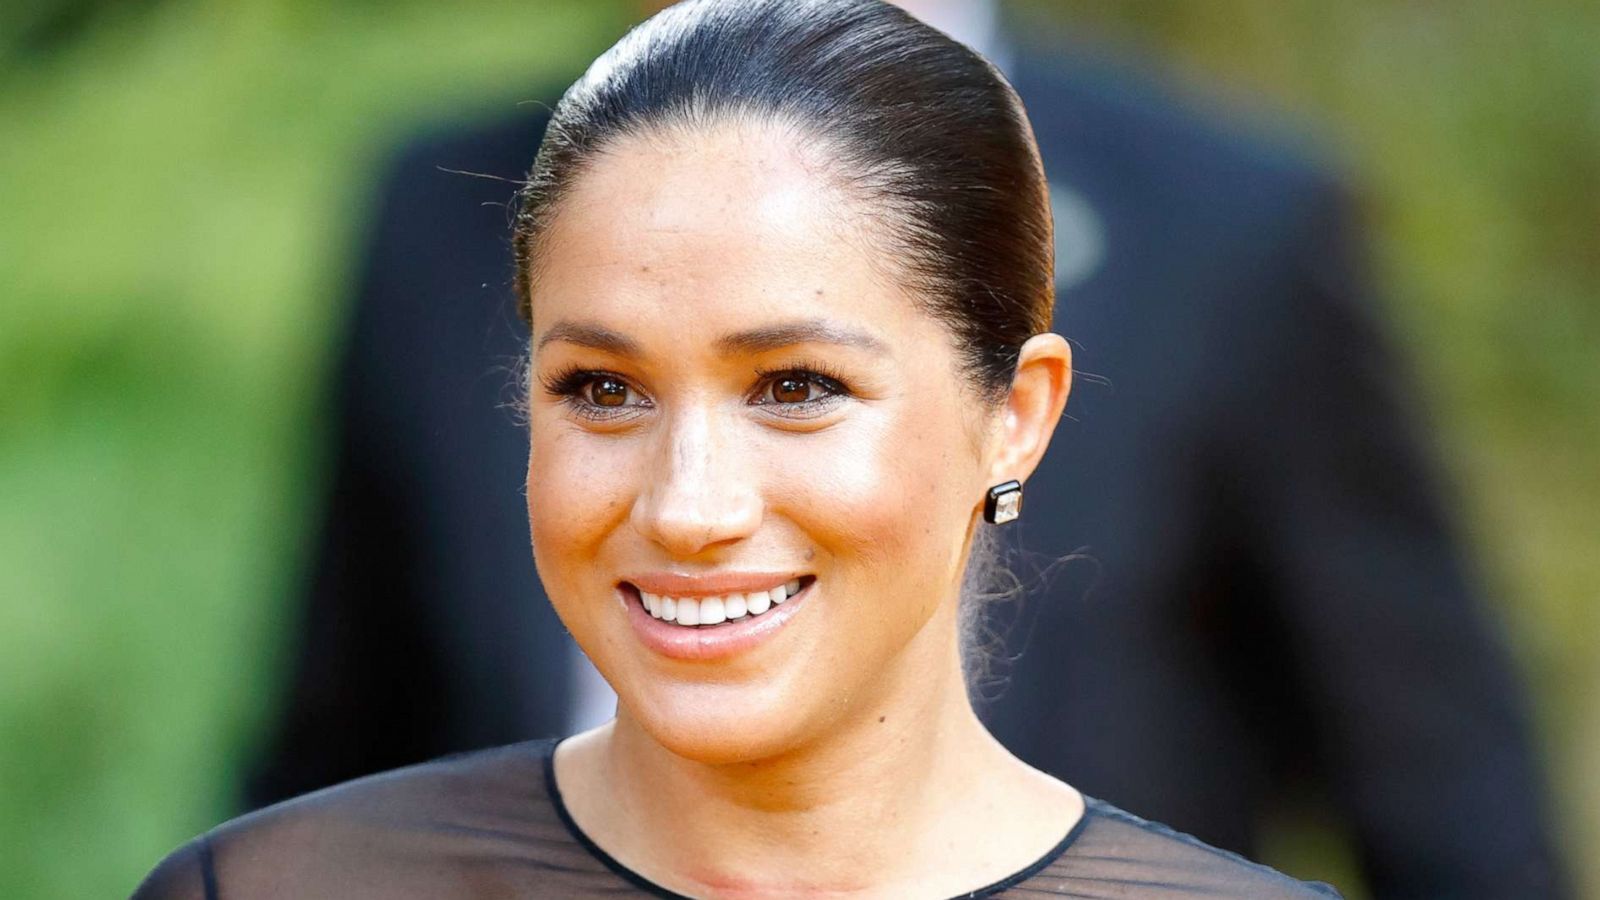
492	824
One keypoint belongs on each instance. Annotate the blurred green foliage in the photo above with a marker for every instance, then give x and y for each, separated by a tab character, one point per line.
181	187
181	192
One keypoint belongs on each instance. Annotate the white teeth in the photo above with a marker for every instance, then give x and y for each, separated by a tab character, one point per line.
712	611
694	612
688	611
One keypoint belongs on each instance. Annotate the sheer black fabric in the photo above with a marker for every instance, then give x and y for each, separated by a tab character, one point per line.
491	824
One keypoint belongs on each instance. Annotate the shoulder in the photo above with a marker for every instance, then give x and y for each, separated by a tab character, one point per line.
444	191
186	874
424	823
440	182
1155	158
1103	104
486	159
1116	848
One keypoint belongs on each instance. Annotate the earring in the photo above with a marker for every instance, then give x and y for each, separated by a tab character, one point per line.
1003	504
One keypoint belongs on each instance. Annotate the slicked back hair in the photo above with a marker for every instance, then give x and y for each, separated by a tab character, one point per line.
918	129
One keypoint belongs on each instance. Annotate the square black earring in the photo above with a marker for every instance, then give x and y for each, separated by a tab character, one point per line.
1003	504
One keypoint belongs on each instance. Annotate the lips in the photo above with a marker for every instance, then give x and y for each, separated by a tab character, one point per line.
711	617
703	612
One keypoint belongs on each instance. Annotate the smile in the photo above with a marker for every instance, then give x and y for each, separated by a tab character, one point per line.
706	612
713	616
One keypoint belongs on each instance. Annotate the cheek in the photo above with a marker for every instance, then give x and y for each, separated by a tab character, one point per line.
886	498
578	487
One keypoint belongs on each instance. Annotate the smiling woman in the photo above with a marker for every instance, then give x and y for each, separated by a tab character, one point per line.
786	267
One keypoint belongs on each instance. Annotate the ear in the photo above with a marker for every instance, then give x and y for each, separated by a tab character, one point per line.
1028	419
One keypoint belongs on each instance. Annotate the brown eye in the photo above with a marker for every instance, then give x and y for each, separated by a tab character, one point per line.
791	389
798	393
608	392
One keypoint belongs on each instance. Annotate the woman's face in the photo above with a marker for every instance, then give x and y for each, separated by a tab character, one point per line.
730	395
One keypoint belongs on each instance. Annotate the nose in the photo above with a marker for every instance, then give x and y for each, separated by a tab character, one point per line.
700	493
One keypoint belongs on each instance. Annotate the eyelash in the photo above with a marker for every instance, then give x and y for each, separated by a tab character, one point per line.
568	385
816	372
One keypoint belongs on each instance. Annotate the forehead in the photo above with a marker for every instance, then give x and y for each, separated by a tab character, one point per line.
731	221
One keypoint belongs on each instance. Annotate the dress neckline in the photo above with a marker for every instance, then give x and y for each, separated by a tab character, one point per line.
645	884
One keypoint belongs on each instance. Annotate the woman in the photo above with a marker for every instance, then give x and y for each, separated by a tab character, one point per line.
787	270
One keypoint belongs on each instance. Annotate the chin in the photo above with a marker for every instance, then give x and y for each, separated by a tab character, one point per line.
725	724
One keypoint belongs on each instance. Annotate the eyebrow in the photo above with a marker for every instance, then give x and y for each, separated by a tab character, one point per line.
588	334
754	340
804	331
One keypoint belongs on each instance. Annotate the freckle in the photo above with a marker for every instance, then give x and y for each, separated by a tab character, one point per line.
881	718
644	268
819	292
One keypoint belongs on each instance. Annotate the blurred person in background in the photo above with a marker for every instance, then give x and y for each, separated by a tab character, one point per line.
1269	608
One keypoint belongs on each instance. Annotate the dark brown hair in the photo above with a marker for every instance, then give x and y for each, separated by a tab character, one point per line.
920	128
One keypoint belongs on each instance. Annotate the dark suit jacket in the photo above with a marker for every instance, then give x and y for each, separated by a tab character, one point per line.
1270	605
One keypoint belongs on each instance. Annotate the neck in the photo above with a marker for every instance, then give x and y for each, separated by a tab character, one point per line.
873	807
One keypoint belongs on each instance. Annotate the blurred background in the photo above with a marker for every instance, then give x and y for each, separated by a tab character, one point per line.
183	185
